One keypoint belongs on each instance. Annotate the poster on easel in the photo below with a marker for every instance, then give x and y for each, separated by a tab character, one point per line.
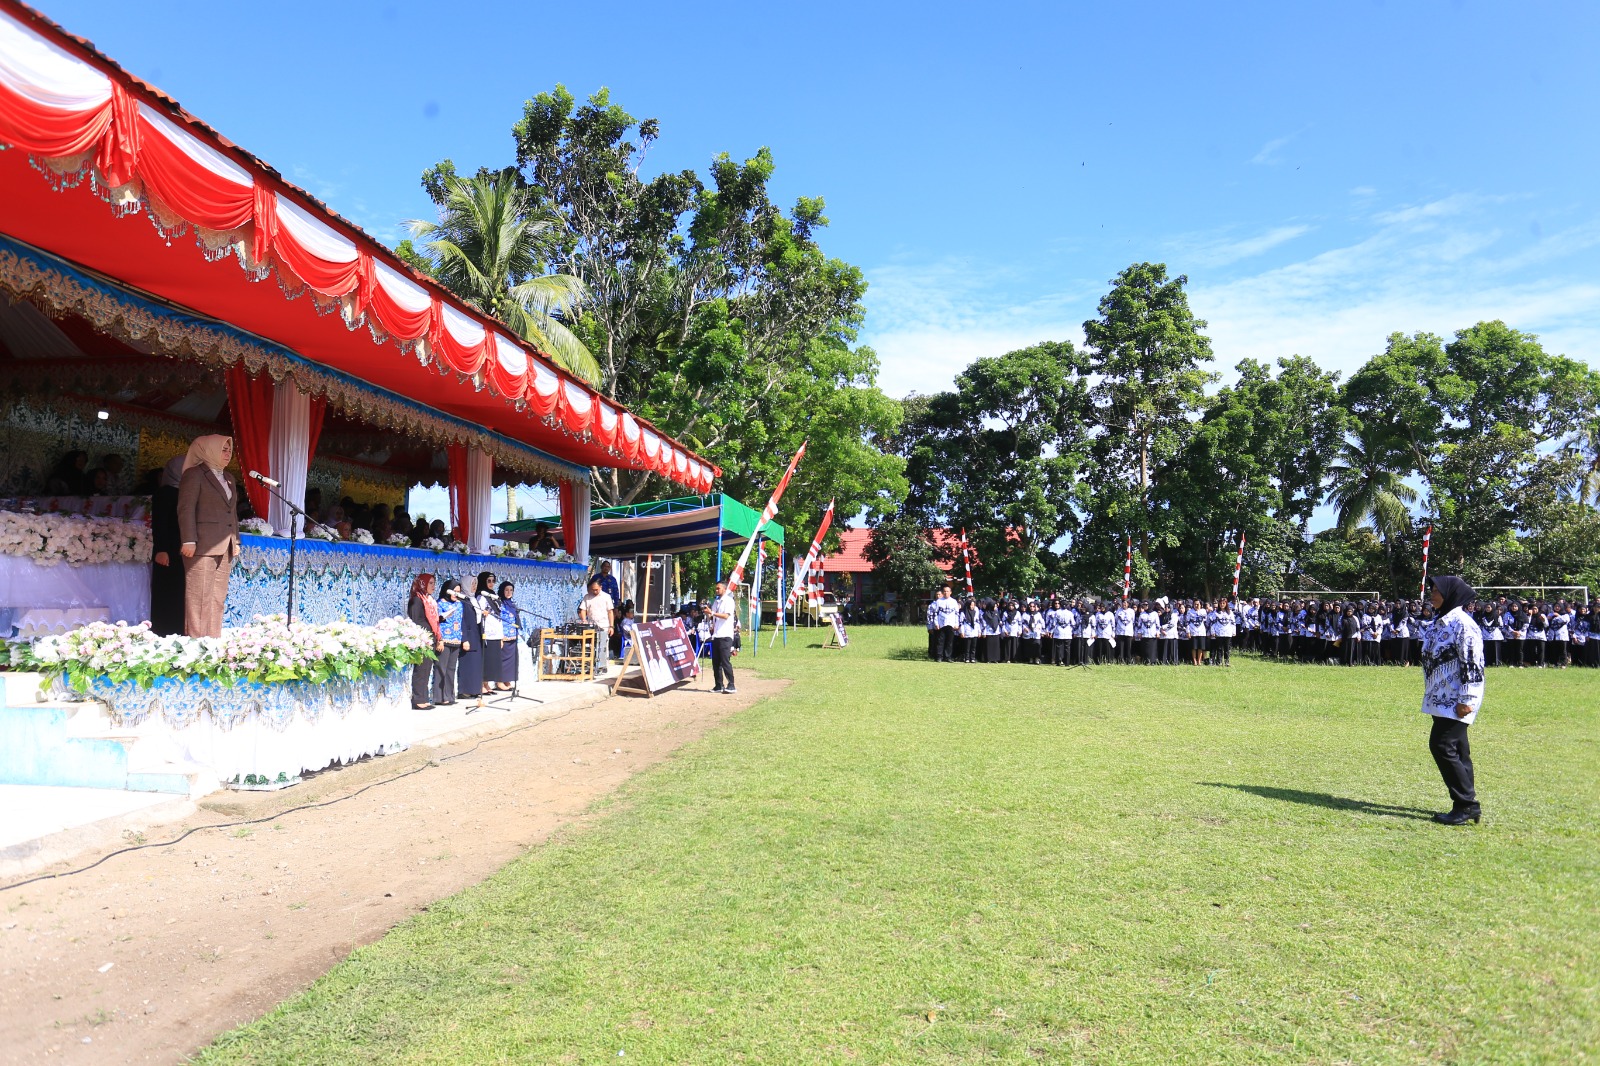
660	658
838	638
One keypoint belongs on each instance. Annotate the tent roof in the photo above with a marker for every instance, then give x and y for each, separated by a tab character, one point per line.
94	146
681	524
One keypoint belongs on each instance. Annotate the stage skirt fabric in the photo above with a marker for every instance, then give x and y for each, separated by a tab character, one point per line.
123	588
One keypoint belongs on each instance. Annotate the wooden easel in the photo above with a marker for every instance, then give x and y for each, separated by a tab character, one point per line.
833	637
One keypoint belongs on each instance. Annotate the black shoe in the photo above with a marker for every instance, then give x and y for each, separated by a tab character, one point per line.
719	690
1457	817
730	690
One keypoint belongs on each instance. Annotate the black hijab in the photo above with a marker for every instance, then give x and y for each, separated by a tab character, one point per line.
1456	593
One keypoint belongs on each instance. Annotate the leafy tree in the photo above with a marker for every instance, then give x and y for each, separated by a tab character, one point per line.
713	312
1254	465
1000	456
1146	357
489	247
903	556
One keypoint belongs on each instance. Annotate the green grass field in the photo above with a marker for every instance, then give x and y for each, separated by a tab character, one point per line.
898	861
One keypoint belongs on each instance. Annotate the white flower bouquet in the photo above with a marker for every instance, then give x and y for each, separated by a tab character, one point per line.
268	651
458	547
362	536
257	526
433	544
398	540
77	540
321	532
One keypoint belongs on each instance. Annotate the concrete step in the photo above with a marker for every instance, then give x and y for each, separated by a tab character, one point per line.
21	688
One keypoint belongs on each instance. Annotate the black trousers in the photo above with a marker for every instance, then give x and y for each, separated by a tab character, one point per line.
422	682
1453	755
1220	647
1125	648
945	641
1148	645
444	674
933	644
722	662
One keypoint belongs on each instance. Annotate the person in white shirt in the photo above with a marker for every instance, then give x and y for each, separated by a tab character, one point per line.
724	614
946	616
1452	672
1122	620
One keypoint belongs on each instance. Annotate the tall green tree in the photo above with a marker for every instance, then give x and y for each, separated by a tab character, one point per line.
490	246
712	311
1147	357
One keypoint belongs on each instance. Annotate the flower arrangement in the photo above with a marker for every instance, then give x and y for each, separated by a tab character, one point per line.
76	540
267	651
398	540
362	536
258	526
508	549
458	547
433	544
321	532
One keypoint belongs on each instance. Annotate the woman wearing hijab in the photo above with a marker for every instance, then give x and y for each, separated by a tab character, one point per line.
451	611
511	628
494	634
469	670
971	629
991	631
208	526
1452	672
424	611
166	567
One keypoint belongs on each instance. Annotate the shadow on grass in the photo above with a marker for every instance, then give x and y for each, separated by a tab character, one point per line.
1324	799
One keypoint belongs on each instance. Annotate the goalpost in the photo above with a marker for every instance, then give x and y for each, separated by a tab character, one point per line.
1324	594
1537	591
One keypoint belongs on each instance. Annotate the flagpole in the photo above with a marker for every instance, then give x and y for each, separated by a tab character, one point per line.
1127	571
1238	564
1426	538
767	513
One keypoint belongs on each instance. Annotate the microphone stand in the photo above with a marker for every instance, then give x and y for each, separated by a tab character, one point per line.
516	686
294	509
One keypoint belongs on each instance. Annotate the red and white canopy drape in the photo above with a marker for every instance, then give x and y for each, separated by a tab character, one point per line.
72	114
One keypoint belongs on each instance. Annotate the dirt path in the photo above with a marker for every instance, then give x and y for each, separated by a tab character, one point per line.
152	954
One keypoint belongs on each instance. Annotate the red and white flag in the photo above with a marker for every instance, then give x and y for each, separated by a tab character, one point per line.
812	554
1426	537
966	557
1238	564
736	578
1127	571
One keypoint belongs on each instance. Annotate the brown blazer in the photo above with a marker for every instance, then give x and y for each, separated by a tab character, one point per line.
206	518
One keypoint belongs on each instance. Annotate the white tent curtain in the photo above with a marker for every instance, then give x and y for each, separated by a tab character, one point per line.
289	453
580	505
480	487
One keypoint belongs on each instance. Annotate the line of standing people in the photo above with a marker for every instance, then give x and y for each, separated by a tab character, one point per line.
475	640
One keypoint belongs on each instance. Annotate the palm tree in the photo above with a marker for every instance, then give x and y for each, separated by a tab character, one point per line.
1585	446
1366	489
489	248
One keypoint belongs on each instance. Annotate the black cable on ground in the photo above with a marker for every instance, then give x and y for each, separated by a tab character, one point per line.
437	761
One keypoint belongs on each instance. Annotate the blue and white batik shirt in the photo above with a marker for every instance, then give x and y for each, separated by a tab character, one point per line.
1452	666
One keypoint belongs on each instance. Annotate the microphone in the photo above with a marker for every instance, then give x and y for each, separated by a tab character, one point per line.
264	479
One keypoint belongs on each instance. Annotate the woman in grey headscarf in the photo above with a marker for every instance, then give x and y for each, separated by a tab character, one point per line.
166	567
1452	677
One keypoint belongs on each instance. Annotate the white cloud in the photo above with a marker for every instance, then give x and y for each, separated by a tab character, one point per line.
1268	156
1436	266
1220	250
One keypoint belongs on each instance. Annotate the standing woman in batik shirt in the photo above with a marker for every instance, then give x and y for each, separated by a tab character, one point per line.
1489	623
1122	620
1148	627
991	631
1452	671
933	629
1519	635
1169	633
1558	634
1194	619
1538	619
970	625
1583	637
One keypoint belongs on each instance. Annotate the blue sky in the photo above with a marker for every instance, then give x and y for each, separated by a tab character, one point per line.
1324	174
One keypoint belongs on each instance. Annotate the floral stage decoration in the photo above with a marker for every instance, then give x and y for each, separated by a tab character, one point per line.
259	705
78	540
106	571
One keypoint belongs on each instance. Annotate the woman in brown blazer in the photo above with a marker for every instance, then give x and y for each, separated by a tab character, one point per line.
208	522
